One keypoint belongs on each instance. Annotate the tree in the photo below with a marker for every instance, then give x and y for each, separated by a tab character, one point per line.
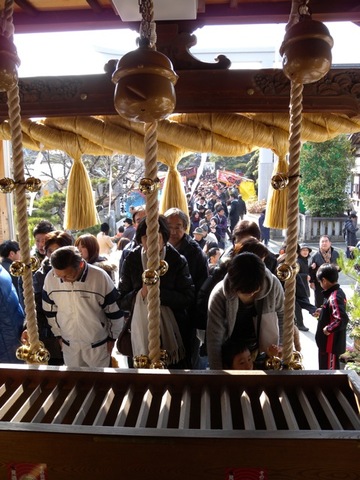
325	171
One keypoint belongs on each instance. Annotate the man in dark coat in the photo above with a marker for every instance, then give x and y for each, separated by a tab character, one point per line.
350	229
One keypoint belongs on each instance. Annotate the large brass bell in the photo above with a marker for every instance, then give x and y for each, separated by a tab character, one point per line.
9	63
144	89
306	51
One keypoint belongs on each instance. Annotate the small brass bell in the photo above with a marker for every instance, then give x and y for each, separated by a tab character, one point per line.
306	51
164	356
150	277
17	268
42	356
273	363
9	63
279	181
22	352
33	184
144	89
159	364
147	185
34	264
284	272
163	267
7	185
141	361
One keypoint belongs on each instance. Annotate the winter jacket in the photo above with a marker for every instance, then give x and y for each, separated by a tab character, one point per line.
176	287
350	230
84	311
11	319
222	312
334	316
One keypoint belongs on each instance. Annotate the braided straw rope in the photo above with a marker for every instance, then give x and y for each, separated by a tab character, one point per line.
293	214
152	232
21	204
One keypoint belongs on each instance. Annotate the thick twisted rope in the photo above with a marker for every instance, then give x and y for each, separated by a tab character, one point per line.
148	33
148	26
152	232
20	198
293	214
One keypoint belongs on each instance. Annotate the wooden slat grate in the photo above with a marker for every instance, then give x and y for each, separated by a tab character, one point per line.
220	403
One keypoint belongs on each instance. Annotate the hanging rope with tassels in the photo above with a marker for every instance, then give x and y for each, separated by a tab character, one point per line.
145	93
35	351
306	52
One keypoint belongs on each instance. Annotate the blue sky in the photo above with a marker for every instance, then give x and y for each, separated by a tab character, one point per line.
81	52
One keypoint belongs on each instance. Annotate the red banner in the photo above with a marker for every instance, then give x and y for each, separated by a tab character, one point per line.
228	177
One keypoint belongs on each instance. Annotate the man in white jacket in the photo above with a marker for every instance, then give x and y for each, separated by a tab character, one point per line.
79	301
247	306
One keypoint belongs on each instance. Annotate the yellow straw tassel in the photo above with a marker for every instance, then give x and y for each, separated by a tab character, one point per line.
80	210
276	208
173	194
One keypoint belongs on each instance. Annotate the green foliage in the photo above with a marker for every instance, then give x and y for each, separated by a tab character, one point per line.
351	268
93	230
325	170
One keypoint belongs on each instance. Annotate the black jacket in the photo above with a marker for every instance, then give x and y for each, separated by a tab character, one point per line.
176	287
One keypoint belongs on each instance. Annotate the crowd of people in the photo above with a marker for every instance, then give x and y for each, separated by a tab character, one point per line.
221	303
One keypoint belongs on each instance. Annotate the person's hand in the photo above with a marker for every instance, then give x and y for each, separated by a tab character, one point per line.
144	291
317	312
326	332
25	338
274	351
312	285
313	265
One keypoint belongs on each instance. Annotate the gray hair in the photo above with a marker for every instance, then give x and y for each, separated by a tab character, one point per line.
172	212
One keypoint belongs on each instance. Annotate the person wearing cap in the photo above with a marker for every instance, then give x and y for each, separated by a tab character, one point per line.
349	230
198	235
303	291
304	261
209	237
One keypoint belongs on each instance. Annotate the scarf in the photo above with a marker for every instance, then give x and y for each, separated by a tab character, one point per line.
326	255
171	340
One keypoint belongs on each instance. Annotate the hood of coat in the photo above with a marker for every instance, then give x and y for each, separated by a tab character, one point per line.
264	290
106	265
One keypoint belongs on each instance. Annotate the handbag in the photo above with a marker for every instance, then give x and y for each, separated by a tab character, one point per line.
123	343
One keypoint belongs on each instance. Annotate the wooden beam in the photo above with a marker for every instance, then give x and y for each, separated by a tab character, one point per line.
197	91
30	20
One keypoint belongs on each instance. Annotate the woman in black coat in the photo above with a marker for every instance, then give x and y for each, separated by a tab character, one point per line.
177	290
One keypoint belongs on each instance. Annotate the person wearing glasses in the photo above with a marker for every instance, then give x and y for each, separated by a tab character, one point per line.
80	303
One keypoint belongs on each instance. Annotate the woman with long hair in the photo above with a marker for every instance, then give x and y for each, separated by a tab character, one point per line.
89	249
